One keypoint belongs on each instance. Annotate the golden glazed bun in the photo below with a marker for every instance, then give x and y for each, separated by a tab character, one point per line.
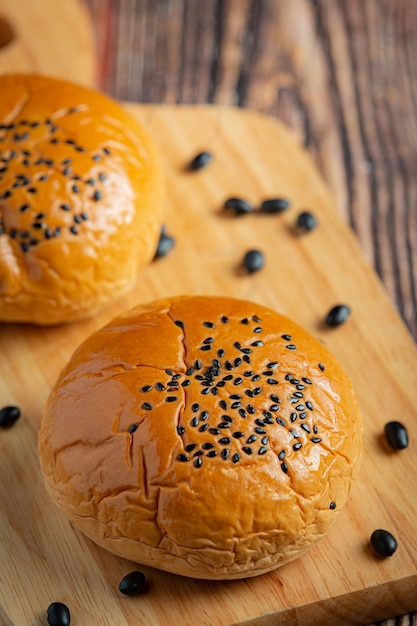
205	436
80	200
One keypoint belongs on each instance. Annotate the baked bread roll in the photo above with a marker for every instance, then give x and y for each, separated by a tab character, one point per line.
205	436
80	200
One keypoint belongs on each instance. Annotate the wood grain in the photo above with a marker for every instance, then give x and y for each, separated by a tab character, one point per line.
342	75
340	581
47	37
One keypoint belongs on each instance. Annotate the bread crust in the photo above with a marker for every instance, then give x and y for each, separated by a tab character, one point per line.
81	199
144	477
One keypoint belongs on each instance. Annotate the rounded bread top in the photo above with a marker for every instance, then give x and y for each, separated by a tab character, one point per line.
80	199
207	436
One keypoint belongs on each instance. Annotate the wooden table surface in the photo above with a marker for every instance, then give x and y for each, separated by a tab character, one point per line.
342	75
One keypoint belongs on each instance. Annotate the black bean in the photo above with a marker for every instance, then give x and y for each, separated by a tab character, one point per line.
306	221
200	160
165	244
9	415
274	205
338	315
396	435
58	614
253	261
383	542
133	584
238	206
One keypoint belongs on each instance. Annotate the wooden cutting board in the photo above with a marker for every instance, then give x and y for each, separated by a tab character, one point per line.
340	581
53	37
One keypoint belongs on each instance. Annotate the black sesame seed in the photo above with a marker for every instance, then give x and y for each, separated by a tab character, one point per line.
225	441
246	358
260	431
183	458
171	399
242	413
204	415
298	394
235	458
253	261
223	404
332	505
179	323
9	415
238	206
309	405
146	406
291	346
190	447
383	542
247	450
281	455
235	396
284	467
225	453
236	405
205	391
223	425
315	439
297	446
214	431
396	435
133	428
274	407
274	205
207	446
257	329
265	440
274	397
306	221
90	181
306	427
224	319
337	315
237	380
65	207
237	362
74	230
251	439
321	367
58	614
300	407
293	417
272	381
238	434
106	151
165	244
194	422
180	430
102	177
195	407
146	388
198	462
203	428
257	343
202	159
75	189
302	415
262	450
97	195
212	453
205	347
220	353
280	421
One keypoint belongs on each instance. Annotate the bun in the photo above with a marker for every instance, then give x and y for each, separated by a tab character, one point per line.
80	200
205	436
